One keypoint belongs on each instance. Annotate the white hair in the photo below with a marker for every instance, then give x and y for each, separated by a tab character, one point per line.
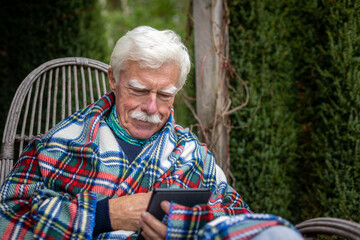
151	48
139	115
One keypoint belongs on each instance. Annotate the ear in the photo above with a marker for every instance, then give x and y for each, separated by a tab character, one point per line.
112	81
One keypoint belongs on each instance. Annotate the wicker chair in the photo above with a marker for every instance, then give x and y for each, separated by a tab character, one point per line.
52	91
311	228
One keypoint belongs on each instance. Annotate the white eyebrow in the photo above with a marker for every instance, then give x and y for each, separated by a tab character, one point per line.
136	84
171	90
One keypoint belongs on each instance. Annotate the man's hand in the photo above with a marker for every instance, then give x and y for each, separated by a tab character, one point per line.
151	227
125	211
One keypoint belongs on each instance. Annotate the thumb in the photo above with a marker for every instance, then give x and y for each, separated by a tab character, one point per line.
165	206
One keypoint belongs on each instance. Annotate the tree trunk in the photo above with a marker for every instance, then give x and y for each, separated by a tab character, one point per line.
210	49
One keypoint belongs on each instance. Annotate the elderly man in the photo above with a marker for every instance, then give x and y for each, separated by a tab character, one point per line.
92	175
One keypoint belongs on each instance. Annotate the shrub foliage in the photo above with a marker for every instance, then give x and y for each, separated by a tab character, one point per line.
295	152
33	32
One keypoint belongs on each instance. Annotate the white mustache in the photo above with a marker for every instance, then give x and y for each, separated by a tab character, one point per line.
139	115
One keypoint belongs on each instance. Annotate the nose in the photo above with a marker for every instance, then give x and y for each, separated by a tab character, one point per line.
150	106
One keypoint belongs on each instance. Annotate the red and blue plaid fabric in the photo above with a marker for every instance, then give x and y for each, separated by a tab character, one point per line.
241	227
52	191
199	223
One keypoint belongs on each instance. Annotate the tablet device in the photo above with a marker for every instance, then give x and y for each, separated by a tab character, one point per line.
186	197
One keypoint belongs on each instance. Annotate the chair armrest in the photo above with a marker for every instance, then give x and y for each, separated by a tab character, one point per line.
330	226
5	167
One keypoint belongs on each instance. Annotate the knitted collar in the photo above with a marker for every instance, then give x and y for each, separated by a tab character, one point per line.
113	121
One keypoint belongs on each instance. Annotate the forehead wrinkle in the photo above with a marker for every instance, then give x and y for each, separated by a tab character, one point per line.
134	83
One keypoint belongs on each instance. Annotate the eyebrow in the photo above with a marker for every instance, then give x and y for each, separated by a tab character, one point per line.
134	83
171	90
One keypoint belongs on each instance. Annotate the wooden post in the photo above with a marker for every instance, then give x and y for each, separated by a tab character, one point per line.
210	47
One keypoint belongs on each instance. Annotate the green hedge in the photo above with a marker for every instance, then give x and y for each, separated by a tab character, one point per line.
296	153
33	32
333	125
263	149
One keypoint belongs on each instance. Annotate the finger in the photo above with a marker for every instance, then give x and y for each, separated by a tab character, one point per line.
148	233
148	236
153	224
152	227
165	206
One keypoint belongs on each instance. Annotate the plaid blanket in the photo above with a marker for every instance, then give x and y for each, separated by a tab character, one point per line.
52	191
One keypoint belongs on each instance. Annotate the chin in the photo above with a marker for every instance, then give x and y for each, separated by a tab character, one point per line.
144	130
143	134
143	137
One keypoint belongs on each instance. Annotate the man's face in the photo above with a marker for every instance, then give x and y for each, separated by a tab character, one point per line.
144	97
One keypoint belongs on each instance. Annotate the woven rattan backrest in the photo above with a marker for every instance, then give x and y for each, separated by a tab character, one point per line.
47	95
311	228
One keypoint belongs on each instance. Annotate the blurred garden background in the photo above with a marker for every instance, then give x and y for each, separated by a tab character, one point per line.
295	148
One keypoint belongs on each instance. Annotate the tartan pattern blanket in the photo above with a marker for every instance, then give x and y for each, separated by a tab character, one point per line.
52	191
241	227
